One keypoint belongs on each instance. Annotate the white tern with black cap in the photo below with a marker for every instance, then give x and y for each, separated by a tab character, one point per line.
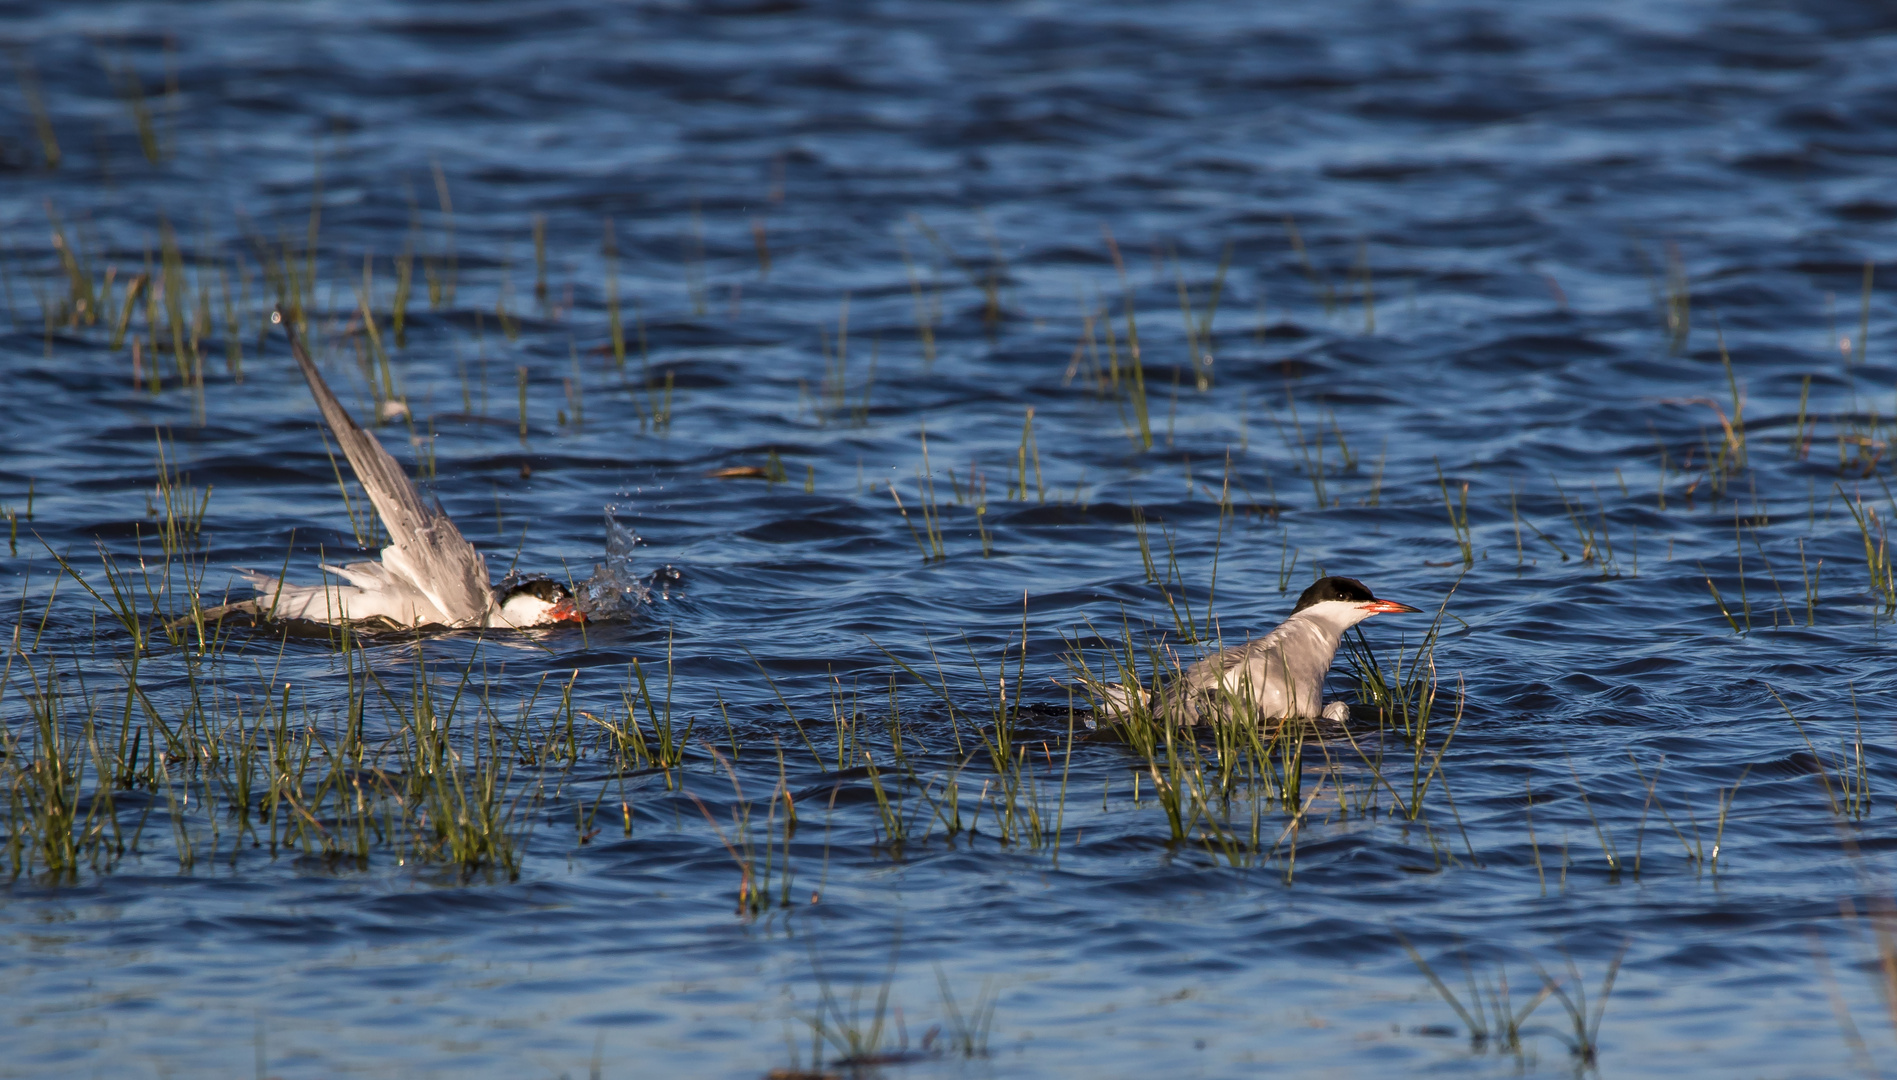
1278	675
428	575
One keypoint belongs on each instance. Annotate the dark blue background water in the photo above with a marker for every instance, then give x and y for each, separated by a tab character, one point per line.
1497	203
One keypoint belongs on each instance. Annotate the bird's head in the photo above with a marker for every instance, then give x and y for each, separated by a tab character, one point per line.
537	601
1344	602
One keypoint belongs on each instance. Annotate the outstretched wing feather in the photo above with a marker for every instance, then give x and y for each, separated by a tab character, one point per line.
426	549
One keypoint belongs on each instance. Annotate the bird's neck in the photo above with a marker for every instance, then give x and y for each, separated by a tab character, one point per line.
1330	629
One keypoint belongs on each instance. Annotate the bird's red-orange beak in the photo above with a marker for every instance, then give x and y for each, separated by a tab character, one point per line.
1381	607
565	611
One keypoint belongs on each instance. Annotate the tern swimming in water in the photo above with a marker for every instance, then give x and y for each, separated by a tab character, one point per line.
1278	675
428	576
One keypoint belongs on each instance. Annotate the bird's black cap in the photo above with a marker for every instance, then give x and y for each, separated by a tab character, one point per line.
1349	590
538	585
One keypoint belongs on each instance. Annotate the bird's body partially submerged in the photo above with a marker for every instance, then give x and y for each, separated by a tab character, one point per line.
428	576
375	595
1278	675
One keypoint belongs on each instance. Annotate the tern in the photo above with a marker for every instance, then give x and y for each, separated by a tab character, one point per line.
428	576
1278	675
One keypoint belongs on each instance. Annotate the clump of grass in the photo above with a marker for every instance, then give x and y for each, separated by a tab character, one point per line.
1494	1020
1405	693
855	1038
988	281
1199	331
1677	305
1030	451
834	394
83	304
179	507
520	383
614	327
1311	452
1146	547
1877	558
132	90
1366	289
377	371
1695	848
1320	282
1135	385
760	242
173	292
754	886
666	750
924	314
1590	532
443	279
230	765
53	824
1491	1015
929	539
1584	1043
36	105
1457	522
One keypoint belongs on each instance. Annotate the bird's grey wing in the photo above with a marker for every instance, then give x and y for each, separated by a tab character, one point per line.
1194	692
426	549
1210	683
1213	669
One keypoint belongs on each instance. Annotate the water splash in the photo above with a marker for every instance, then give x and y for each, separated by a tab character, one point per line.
615	590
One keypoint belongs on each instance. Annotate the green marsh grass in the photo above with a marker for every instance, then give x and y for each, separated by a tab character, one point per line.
131	89
835	398
924	315
858	1041
1677	300
36	107
443	271
1495	1020
761	245
1875	534
1141	428
615	328
1491	1015
1320	282
254	764
404	289
1465	538
1309	452
987	282
1198	330
1030	451
1864	312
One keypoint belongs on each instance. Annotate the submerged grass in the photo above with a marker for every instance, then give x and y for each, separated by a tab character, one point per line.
1496	1021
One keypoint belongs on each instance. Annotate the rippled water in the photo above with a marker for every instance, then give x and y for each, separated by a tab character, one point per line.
1506	241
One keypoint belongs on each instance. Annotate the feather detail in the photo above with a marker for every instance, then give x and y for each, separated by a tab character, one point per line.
429	570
